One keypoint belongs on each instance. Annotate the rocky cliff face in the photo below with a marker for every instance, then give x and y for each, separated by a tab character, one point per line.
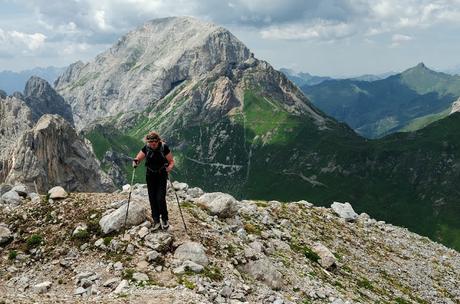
52	153
15	119
43	99
145	65
235	252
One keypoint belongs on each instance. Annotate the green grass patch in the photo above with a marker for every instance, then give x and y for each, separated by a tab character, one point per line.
365	283
12	255
213	273
34	241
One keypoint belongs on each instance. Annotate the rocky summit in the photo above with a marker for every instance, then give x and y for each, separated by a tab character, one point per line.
74	248
145	65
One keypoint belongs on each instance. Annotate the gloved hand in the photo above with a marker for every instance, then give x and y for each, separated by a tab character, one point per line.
135	163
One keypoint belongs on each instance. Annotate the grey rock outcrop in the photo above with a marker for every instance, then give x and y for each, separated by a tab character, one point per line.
43	99
53	154
15	120
345	211
455	106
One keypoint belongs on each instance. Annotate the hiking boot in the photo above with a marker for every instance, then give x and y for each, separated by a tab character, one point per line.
164	225
155	226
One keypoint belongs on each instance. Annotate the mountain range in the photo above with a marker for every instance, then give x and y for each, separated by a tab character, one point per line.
237	125
402	102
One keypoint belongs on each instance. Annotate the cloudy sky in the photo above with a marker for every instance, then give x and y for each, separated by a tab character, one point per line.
322	37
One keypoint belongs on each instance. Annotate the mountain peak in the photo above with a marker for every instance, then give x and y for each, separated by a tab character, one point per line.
146	63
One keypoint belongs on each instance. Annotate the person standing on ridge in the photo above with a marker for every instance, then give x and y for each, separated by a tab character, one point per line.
159	162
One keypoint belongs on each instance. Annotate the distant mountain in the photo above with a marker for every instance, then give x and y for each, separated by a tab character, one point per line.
371	77
300	78
385	106
15	81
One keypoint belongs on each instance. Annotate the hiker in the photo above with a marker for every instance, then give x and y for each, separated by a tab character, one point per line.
159	162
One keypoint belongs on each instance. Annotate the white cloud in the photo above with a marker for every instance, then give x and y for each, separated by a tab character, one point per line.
18	42
397	39
320	30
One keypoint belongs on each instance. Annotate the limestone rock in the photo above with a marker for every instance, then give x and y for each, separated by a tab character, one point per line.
115	220
218	203
42	287
263	270
53	154
455	106
5	235
57	193
11	198
104	87
160	241
188	266
327	259
345	211
139	276
43	99
191	251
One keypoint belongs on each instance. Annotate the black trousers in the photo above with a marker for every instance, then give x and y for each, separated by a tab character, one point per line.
156	186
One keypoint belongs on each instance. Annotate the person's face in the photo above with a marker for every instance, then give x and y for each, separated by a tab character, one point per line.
153	143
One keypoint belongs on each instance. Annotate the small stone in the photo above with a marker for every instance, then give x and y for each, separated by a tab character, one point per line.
42	287
111	282
139	276
5	235
188	266
226	291
143	232
121	287
79	291
118	266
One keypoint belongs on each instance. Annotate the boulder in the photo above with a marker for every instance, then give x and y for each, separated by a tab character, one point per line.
57	193
11	198
345	211
5	235
191	251
114	221
217	203
263	270
327	259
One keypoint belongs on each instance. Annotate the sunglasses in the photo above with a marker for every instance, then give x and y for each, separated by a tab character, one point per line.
153	140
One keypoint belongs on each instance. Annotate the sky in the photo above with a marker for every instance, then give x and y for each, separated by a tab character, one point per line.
322	37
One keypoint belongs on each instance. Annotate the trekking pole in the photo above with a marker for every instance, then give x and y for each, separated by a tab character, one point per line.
178	204
129	199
